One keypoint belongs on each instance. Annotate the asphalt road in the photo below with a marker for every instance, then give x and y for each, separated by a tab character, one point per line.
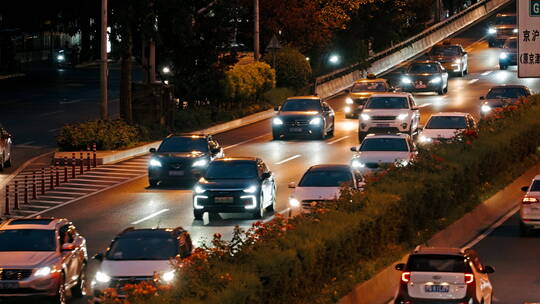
104	215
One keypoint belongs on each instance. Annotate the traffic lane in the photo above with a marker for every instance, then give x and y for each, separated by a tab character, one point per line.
516	263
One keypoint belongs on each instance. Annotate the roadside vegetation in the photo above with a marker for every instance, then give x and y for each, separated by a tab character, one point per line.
318	258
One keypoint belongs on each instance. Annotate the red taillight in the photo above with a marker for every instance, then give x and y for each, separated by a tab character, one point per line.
529	200
405	277
469	278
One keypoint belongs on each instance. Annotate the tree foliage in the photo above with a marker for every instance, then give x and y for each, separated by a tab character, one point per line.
292	68
247	82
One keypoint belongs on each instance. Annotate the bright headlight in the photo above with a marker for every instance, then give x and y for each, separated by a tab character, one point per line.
503	55
357	164
365	117
457	61
200	163
406	80
436	80
199	189
492	30
315	121
294	202
485	108
250	189
60	57
277	121
515	30
42	272
102	277
402	162
424	139
349	100
402	116
155	163
347	109
168	276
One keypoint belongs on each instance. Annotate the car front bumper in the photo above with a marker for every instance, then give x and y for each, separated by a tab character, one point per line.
384	126
235	202
31	287
176	176
426	87
301	130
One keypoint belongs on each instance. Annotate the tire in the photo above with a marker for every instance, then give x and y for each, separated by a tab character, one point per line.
259	212
440	91
272	206
153	182
198	215
331	132
79	290
275	135
491	44
60	297
7	164
503	67
524	230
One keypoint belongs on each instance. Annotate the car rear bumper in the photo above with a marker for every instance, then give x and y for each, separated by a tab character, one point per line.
532	223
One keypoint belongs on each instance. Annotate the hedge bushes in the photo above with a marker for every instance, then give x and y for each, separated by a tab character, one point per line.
247	82
297	261
292	68
107	134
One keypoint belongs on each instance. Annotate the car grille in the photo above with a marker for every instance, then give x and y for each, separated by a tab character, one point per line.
119	282
15	274
297	123
383	130
176	165
384	117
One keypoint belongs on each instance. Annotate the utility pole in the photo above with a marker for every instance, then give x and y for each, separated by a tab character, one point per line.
152	61
104	65
256	31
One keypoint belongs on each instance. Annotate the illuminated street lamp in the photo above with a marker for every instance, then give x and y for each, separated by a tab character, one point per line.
334	59
166	70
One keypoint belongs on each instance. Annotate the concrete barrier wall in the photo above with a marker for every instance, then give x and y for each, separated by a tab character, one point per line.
327	86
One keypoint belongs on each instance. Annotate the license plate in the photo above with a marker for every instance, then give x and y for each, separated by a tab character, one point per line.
437	288
421	86
9	285
383	125
295	129
224	199
176	173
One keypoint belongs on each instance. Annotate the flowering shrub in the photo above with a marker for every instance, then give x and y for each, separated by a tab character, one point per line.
247	82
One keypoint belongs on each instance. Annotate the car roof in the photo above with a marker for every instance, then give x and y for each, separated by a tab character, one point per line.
438	250
363	80
192	135
536	177
43	223
396	135
312	97
326	167
447	45
511	86
391	94
450	114
424	61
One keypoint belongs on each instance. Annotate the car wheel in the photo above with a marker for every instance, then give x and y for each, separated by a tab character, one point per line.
275	135
79	290
198	215
272	206
259	212
503	67
7	164
153	182
441	90
60	297
524	230
331	132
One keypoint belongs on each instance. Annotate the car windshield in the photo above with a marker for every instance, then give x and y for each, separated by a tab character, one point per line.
416	68
446	51
387	103
497	93
231	170
447	122
183	144
384	144
506	20
535	186
27	240
326	178
143	248
301	105
369	87
436	263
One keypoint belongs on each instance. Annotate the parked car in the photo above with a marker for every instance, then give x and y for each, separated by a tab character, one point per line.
6	143
504	27
42	257
508	55
444	275
529	211
182	158
360	92
501	96
377	151
425	76
322	183
303	116
235	184
445	126
452	57
141	255
389	113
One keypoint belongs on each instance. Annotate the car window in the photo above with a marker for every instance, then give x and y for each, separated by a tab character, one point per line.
326	178
506	20
387	103
437	263
497	93
27	240
143	248
301	105
384	144
423	68
183	144
447	122
535	187
66	235
370	86
231	170
453	50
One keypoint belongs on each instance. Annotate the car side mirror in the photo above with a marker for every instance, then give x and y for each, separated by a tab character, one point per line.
489	269
216	150
326	109
400	266
482	98
68	247
525	188
292	185
276	108
266	175
354	149
98	257
153	150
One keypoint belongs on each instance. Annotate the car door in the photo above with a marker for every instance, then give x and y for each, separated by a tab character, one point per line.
215	149
80	254
415	113
69	258
5	143
266	183
328	115
483	284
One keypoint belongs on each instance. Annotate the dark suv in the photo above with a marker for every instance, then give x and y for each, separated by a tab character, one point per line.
182	158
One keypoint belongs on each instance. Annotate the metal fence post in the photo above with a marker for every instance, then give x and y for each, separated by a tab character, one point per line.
16	200
26	189
6	211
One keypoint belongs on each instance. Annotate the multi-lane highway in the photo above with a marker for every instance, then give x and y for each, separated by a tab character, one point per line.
102	216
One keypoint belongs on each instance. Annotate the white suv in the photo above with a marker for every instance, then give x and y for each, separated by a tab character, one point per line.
445	126
389	113
444	275
376	151
529	212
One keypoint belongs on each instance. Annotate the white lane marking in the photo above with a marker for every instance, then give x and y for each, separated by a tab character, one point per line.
339	139
288	159
71	101
492	228
150	216
473	81
50	113
427	104
486	73
245	141
28	143
53	130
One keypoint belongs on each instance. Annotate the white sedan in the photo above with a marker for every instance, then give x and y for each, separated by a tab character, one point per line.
445	126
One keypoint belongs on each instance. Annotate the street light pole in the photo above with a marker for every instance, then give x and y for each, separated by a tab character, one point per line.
104	65
256	31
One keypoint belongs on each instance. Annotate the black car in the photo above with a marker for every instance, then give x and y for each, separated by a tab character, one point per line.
425	76
303	116
239	184
451	56
508	55
182	158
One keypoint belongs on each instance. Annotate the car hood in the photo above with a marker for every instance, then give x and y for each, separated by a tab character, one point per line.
444	58
298	114
27	259
384	112
316	193
501	102
383	157
505	26
188	155
440	133
227	183
420	75
134	268
361	94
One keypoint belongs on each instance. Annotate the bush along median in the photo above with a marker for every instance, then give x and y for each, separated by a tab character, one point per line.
317	258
